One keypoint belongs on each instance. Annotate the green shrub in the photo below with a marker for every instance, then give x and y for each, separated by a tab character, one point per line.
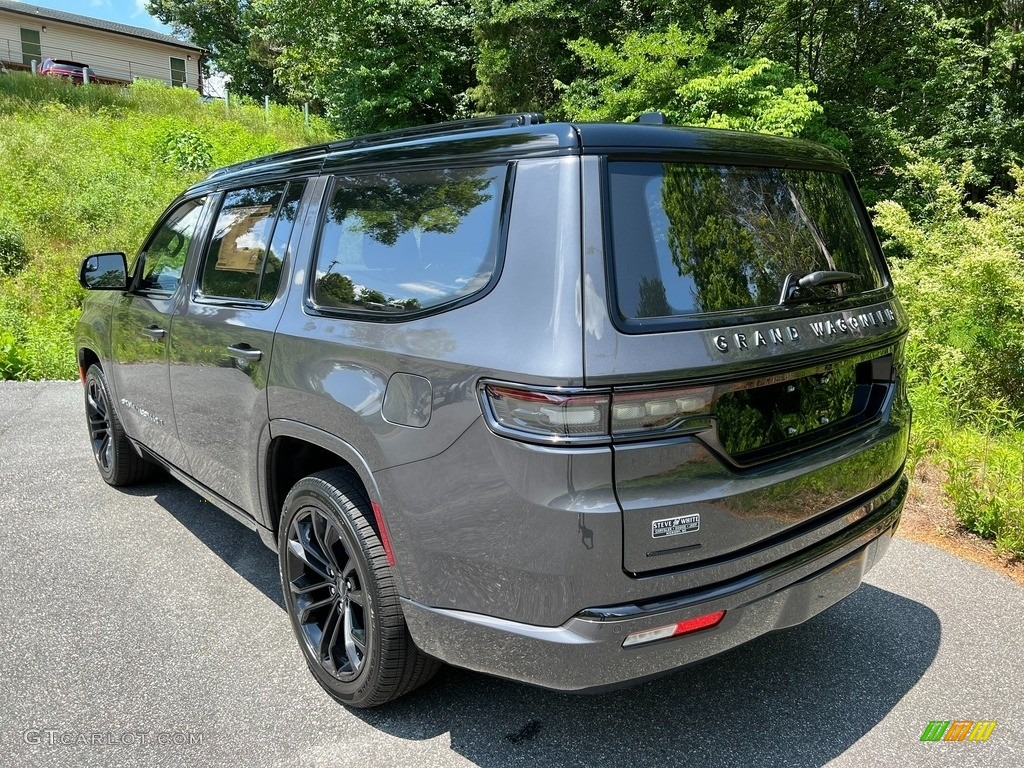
13	362
187	151
13	254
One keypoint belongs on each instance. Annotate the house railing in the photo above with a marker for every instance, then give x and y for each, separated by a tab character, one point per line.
102	67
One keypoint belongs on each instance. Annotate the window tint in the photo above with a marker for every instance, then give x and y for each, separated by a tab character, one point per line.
167	249
247	246
692	239
402	242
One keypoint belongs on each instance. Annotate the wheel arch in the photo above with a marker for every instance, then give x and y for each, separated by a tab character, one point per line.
86	358
292	450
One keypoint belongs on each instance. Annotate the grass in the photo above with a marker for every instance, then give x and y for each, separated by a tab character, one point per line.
90	169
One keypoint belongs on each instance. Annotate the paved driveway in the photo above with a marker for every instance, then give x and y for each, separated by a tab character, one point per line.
146	628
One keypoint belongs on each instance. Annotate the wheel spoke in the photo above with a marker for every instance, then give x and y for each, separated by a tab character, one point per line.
357	597
308	609
351	651
94	404
324	539
359	638
326	631
106	451
312	586
295	547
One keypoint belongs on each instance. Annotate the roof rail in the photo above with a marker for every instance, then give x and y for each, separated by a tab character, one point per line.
476	123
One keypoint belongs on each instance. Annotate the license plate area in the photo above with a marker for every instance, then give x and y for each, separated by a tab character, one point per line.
761	419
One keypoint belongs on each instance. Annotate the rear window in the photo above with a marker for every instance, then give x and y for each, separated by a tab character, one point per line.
693	239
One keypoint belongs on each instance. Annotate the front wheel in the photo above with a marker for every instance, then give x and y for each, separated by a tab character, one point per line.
116	458
340	594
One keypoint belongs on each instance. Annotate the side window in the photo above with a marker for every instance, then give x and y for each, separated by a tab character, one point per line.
279	242
247	247
402	242
167	248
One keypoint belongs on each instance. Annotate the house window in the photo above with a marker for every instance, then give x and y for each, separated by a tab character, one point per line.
30	47
178	78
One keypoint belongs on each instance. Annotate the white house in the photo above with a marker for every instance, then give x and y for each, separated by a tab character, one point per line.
113	52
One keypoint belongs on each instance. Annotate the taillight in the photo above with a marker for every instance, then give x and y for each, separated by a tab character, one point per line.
547	414
647	412
588	416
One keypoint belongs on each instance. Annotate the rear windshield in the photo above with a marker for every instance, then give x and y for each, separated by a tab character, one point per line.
702	239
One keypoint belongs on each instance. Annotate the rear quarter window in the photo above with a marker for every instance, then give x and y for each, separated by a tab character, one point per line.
397	243
701	240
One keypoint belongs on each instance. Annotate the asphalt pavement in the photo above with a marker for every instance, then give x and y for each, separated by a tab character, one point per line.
145	627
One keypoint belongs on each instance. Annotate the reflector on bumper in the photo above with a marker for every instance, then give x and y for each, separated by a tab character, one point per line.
674	630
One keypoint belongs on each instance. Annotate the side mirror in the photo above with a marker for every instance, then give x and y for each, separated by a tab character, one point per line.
104	272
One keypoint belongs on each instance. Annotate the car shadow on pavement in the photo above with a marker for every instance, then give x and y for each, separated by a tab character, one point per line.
238	546
799	696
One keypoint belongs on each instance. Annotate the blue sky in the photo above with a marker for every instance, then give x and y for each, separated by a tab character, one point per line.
124	11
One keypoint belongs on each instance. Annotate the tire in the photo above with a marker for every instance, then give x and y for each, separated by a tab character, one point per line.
116	458
340	594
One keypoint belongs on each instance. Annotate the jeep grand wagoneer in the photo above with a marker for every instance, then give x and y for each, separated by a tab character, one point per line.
572	404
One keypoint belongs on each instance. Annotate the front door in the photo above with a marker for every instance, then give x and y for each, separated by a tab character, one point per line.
141	332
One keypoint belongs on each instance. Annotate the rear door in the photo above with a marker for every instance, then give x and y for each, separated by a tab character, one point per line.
223	336
141	332
747	409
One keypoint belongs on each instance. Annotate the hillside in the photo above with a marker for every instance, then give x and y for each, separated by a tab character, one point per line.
89	169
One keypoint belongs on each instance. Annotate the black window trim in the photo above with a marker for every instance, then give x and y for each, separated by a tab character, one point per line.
501	241
196	296
710	320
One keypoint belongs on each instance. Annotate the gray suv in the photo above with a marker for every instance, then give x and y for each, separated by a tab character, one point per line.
571	404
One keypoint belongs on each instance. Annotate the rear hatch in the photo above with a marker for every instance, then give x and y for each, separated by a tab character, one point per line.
753	348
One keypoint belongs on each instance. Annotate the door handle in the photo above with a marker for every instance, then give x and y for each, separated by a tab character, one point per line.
154	333
244	352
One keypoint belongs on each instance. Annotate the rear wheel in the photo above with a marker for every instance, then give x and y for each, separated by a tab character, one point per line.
341	597
116	458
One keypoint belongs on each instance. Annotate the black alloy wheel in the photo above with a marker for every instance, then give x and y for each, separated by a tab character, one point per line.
116	458
340	594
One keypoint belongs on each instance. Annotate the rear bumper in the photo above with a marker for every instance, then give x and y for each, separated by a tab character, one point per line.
586	653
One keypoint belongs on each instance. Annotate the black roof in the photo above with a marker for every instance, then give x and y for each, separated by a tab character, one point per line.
527	134
52	14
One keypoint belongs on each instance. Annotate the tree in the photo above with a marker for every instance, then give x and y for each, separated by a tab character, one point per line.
374	66
523	53
675	72
226	28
